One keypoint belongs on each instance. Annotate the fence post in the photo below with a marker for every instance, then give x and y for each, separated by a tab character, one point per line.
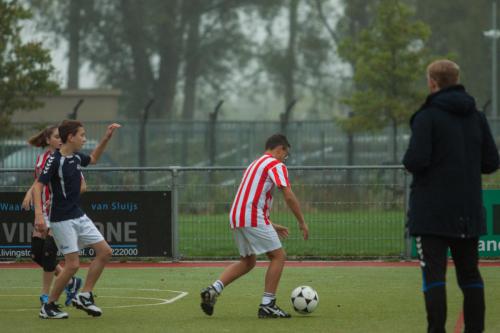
406	207
175	215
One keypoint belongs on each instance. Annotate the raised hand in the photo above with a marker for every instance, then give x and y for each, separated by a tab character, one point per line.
111	128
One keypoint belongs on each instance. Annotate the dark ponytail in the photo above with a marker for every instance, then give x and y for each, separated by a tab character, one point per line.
40	139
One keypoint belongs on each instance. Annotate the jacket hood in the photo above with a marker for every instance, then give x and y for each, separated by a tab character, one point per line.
453	99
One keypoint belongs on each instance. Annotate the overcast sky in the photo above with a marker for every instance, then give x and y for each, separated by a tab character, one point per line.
59	51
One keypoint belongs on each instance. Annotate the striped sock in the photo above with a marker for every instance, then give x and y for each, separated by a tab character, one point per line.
268	298
218	286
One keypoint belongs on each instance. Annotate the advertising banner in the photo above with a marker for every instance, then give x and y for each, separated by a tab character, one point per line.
135	224
489	245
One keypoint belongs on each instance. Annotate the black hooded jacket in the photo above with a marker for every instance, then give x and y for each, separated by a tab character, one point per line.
450	146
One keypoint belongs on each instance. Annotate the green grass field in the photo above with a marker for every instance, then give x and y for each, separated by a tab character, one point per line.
353	233
352	299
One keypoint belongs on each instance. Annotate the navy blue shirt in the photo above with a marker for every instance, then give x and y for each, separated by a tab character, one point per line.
63	175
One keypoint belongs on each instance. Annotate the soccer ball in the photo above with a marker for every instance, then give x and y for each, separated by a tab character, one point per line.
304	299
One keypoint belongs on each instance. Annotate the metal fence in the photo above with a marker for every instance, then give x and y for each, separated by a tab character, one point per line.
351	211
225	143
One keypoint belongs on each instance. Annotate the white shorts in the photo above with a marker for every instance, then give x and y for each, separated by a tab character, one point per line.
76	234
256	240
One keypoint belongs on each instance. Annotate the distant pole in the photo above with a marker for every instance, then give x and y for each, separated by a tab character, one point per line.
212	143
142	141
494	34
285	116
142	133
212	138
73	115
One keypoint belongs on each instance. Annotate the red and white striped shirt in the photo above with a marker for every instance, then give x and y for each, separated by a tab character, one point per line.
254	198
39	165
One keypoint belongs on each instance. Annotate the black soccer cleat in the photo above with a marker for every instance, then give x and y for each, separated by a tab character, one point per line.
271	310
52	311
86	303
208	299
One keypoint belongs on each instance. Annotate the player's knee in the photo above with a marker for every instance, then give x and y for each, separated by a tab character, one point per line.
72	266
283	255
37	250
105	253
250	262
278	254
109	253
49	255
470	276
49	264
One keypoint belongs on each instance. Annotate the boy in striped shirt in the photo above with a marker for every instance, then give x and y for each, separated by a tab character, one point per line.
254	232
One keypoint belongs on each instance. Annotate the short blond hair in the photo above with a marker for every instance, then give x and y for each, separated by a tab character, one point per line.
445	72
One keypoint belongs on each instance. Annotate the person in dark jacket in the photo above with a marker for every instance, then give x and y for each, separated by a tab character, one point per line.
450	147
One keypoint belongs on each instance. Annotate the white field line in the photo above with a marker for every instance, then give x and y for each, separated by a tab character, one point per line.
159	301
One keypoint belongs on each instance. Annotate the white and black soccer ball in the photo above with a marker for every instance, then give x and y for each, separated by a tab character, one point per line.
304	299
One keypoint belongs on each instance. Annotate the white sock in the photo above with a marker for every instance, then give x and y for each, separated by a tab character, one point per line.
268	298
218	286
84	293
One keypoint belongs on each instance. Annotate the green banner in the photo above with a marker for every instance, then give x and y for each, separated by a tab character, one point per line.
489	244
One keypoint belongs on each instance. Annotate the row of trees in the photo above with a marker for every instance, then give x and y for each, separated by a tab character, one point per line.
185	53
368	55
200	50
457	29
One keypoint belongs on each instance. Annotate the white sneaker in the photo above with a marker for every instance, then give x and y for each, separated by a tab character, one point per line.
85	301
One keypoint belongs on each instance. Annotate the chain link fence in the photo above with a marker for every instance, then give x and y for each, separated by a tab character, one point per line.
224	143
351	211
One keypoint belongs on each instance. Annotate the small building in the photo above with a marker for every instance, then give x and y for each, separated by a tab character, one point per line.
98	105
99	108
